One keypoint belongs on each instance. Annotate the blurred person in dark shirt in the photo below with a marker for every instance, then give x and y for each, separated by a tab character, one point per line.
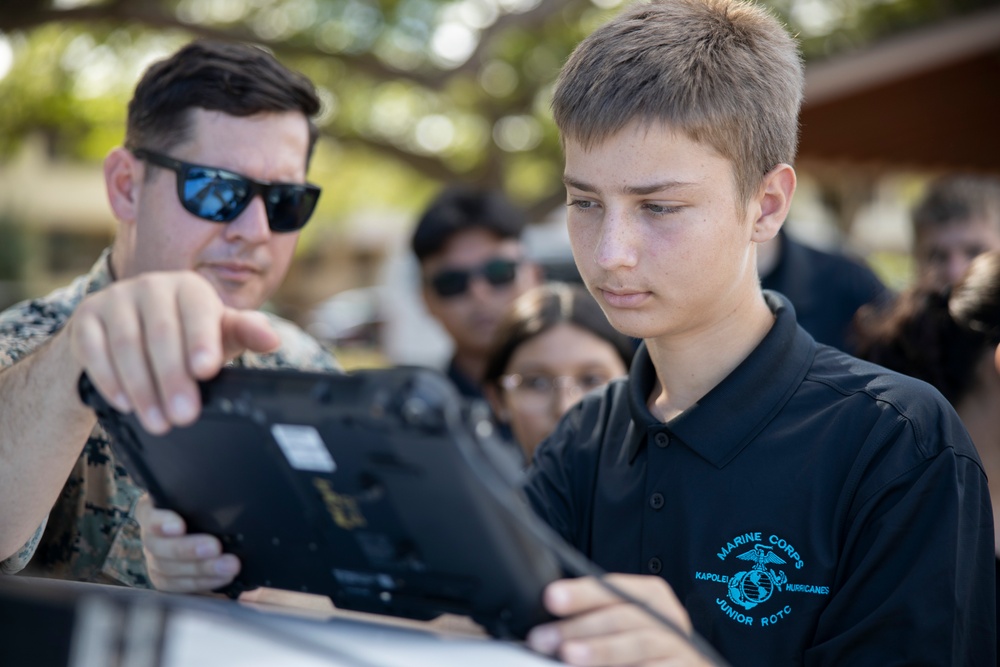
826	289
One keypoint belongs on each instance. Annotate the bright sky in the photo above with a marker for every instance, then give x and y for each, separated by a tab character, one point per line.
6	56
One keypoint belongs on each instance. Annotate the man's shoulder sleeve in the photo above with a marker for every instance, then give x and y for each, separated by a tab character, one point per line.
19	560
26	326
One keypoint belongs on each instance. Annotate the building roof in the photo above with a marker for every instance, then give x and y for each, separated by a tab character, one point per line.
929	100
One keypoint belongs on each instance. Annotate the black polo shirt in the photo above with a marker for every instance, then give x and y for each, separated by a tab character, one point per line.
811	509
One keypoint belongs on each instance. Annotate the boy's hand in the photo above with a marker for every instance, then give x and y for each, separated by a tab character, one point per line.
180	563
146	341
598	629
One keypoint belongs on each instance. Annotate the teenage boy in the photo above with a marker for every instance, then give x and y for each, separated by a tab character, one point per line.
210	193
957	219
790	503
472	265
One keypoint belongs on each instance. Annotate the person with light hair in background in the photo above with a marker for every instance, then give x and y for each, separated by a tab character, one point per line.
957	219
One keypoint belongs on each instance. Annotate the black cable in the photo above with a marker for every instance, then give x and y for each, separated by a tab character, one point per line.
577	564
500	483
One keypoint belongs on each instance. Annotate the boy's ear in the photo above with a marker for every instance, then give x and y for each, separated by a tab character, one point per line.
996	358
122	180
774	200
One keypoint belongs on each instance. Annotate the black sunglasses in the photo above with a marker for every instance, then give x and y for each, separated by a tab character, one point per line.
452	282
220	195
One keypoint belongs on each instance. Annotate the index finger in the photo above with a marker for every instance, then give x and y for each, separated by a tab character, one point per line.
200	311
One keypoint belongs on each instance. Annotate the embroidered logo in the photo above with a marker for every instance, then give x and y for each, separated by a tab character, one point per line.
747	589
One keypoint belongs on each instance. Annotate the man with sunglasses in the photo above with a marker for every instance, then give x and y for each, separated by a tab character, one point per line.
209	193
472	265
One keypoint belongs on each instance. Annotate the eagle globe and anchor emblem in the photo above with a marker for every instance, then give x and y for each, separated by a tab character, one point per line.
750	588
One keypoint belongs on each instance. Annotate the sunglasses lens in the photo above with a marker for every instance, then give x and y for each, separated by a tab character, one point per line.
450	283
215	195
500	272
290	206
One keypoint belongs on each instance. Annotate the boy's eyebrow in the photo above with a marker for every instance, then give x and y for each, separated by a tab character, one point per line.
630	189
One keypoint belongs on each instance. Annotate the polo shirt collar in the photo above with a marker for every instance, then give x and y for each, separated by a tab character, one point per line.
728	417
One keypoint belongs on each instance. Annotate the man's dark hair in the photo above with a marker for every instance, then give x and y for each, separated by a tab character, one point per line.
460	208
236	79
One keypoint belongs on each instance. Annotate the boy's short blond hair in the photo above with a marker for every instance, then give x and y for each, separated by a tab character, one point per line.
724	72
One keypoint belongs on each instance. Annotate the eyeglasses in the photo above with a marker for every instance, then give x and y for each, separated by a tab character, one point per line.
453	282
219	195
541	386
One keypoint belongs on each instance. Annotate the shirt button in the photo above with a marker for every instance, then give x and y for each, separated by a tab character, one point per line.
656	501
654	565
662	440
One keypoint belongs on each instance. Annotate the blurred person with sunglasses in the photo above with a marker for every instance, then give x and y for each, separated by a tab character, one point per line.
472	264
209	192
554	346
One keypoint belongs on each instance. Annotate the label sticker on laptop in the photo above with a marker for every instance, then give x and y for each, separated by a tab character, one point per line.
303	447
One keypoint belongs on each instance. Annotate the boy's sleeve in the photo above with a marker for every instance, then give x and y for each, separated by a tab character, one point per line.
916	583
551	486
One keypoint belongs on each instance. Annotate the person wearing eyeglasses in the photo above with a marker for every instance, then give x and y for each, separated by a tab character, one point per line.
209	192
554	346
472	265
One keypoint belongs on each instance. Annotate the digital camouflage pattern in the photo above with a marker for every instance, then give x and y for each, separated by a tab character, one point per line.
91	533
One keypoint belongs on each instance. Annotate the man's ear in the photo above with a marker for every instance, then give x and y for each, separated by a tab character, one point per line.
996	358
123	178
773	201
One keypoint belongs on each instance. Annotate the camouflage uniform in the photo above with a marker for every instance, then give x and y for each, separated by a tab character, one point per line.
91	533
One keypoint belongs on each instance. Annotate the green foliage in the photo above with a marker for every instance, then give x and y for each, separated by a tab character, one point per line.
417	92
